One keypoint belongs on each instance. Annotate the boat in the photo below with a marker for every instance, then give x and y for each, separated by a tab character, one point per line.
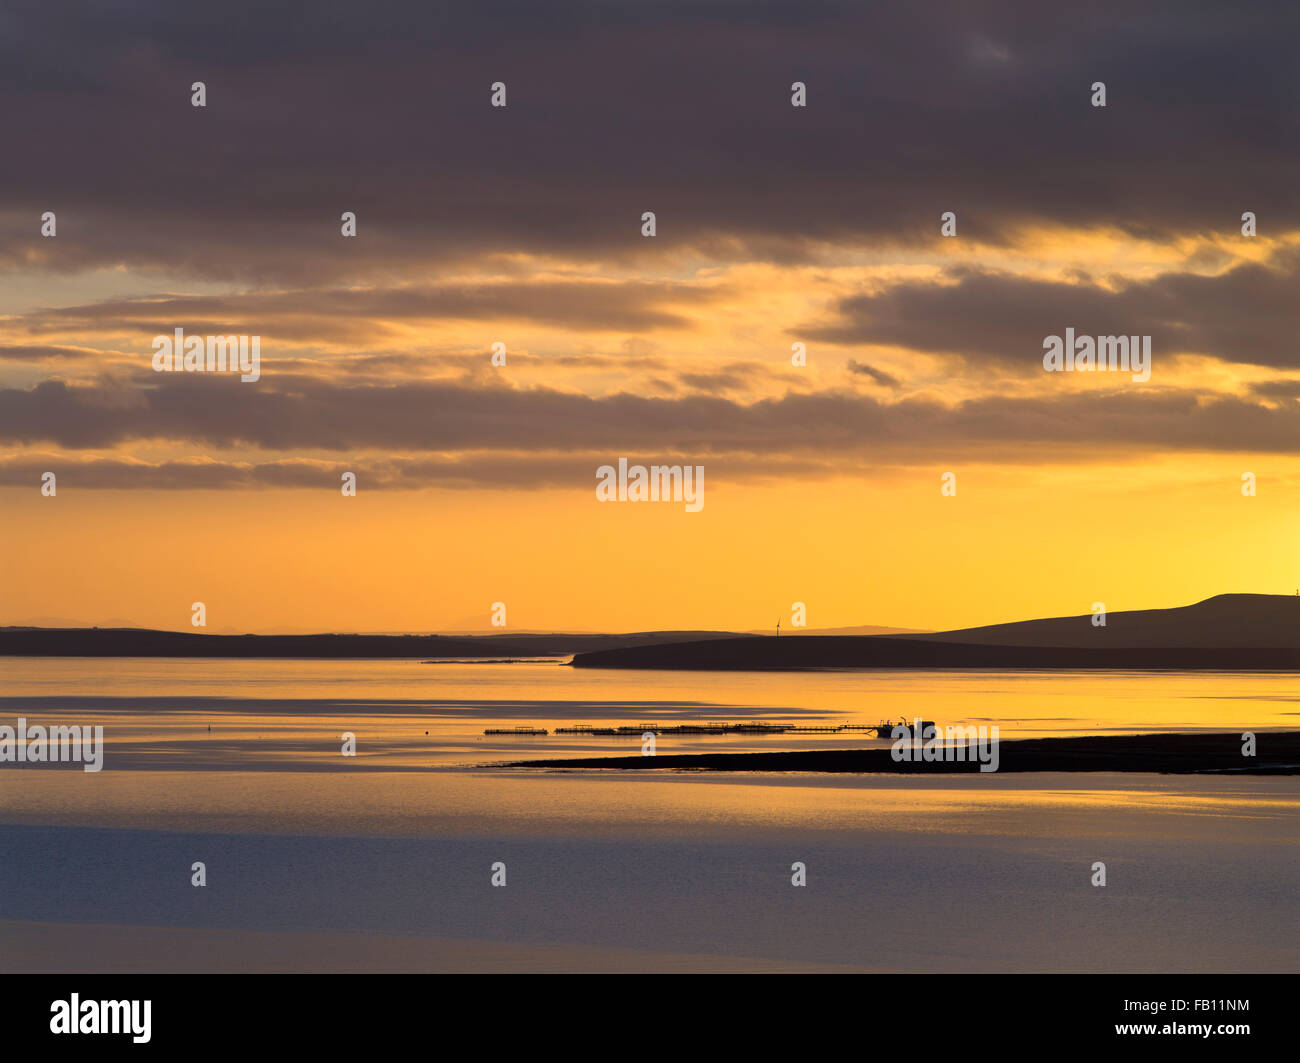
928	728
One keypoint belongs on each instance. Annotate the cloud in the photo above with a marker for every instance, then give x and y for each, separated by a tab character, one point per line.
475	471
15	352
1277	389
878	375
314	417
358	315
1248	314
615	109
532	213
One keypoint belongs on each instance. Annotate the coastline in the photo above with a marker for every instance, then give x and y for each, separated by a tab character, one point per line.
1278	753
813	652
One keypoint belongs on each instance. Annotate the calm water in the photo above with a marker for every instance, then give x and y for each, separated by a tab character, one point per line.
382	861
157	712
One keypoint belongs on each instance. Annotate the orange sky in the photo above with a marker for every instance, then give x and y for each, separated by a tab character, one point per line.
779	223
1011	544
860	534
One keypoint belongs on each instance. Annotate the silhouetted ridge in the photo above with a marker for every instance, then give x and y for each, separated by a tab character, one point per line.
1263	621
1232	632
140	642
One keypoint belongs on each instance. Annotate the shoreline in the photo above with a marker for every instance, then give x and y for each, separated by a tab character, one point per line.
814	652
1277	753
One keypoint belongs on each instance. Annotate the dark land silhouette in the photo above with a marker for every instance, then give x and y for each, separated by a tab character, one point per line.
1230	632
1226	621
1277	753
795	654
142	642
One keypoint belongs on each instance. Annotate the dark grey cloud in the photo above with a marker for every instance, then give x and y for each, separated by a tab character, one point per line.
615	108
357	314
1277	389
974	106
309	416
736	376
24	352
721	381
476	471
1248	314
878	375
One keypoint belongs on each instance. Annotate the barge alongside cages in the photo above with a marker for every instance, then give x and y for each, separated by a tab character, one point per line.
924	728
885	729
637	730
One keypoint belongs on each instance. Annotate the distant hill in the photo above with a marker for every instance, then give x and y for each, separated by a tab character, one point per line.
1231	631
1226	620
1253	632
141	642
862	629
765	653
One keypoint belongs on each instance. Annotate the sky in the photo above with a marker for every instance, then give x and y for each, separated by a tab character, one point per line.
522	225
